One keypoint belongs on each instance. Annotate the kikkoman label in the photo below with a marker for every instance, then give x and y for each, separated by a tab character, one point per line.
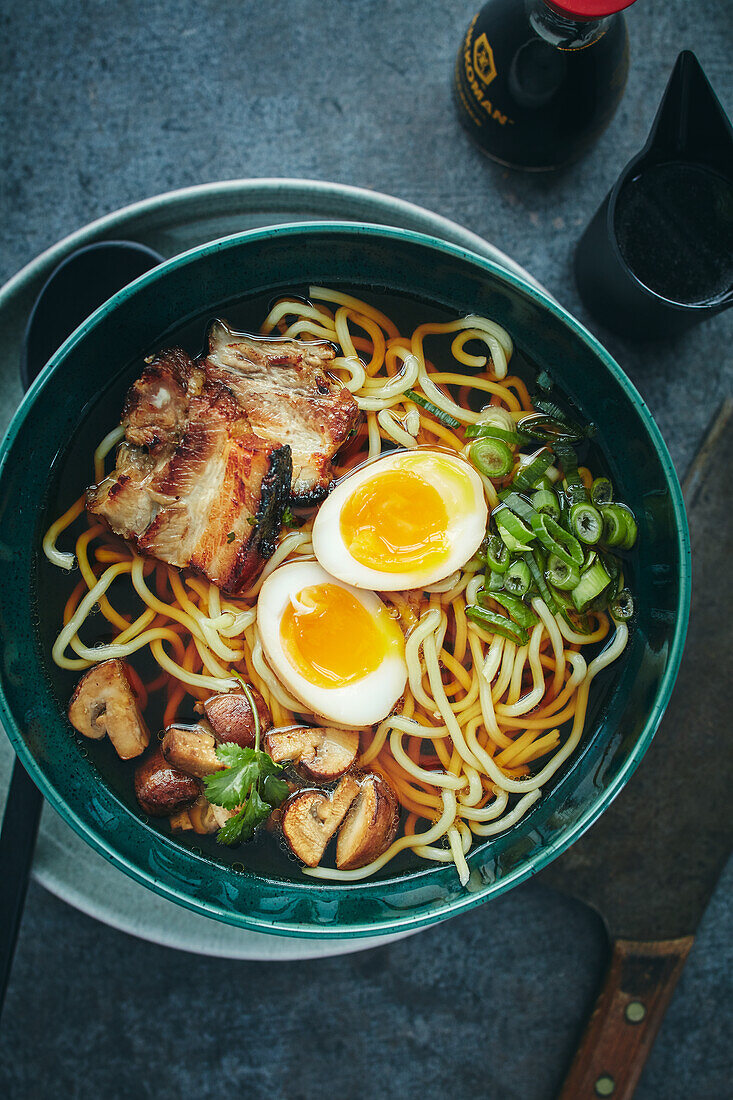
475	70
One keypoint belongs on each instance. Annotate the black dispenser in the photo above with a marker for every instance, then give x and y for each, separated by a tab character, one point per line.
658	255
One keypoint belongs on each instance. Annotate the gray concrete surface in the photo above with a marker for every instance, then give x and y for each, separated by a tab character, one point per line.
106	103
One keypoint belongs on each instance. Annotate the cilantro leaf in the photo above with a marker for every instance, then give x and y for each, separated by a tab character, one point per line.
289	519
230	787
243	824
274	790
250	781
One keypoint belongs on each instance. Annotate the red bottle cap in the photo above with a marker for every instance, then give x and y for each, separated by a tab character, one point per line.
588	9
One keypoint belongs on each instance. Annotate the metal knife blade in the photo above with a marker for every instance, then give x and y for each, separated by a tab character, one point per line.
650	863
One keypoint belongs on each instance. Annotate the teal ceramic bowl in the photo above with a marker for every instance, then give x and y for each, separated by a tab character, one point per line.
45	462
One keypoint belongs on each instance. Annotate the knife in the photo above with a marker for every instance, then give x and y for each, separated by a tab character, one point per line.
649	865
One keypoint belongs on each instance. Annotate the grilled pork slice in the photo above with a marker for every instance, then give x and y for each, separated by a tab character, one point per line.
193	486
288	396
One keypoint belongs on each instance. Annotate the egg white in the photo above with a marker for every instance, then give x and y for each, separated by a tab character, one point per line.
355	705
467	518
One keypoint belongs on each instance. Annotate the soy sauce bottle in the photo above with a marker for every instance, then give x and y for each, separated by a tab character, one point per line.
538	81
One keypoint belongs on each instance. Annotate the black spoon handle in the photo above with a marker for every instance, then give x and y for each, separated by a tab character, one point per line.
17	843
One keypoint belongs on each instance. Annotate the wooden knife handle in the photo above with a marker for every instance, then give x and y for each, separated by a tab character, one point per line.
620	1033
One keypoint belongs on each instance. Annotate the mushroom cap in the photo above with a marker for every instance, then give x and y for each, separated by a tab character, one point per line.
162	790
203	818
192	750
311	817
370	825
104	703
231	718
319	753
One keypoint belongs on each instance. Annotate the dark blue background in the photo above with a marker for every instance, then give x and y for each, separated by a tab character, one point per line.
106	103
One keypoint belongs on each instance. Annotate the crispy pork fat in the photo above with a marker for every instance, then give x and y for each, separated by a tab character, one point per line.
288	397
213	449
192	485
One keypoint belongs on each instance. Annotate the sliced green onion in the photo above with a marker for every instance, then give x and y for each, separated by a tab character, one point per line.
530	472
560	574
601	491
523	615
631	532
551	409
544	483
546	503
544	381
494	582
592	583
616	524
443	417
536	565
497	555
513	532
491	457
481	431
569	461
586	523
573	618
622	607
518	578
497	624
613	567
549	429
518	504
558	541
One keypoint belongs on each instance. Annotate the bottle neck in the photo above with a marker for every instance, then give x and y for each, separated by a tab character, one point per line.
560	30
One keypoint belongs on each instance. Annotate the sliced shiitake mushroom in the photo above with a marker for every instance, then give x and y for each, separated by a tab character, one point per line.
319	754
310	818
231	718
104	703
192	750
161	789
181	822
370	825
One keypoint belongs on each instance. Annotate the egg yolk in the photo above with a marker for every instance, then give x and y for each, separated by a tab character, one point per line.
332	639
395	520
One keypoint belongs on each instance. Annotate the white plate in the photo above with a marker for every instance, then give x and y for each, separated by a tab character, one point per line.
172	223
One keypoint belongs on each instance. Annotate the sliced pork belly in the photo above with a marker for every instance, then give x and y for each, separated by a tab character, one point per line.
285	390
193	486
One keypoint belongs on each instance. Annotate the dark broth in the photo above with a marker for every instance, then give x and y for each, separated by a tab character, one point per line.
265	855
674	225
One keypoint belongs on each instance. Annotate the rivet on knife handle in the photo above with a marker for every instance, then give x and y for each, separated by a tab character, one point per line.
635	994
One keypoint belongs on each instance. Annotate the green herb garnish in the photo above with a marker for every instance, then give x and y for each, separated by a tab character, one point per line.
250	780
231	536
289	520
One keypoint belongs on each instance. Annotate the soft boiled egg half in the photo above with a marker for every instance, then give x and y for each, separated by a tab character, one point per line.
335	648
406	520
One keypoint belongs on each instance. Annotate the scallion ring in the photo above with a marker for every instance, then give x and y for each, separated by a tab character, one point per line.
622	607
601	491
517	578
586	523
497	555
616	527
562	575
546	503
491	457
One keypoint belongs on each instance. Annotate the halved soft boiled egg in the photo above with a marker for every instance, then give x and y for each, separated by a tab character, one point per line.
405	520
335	648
